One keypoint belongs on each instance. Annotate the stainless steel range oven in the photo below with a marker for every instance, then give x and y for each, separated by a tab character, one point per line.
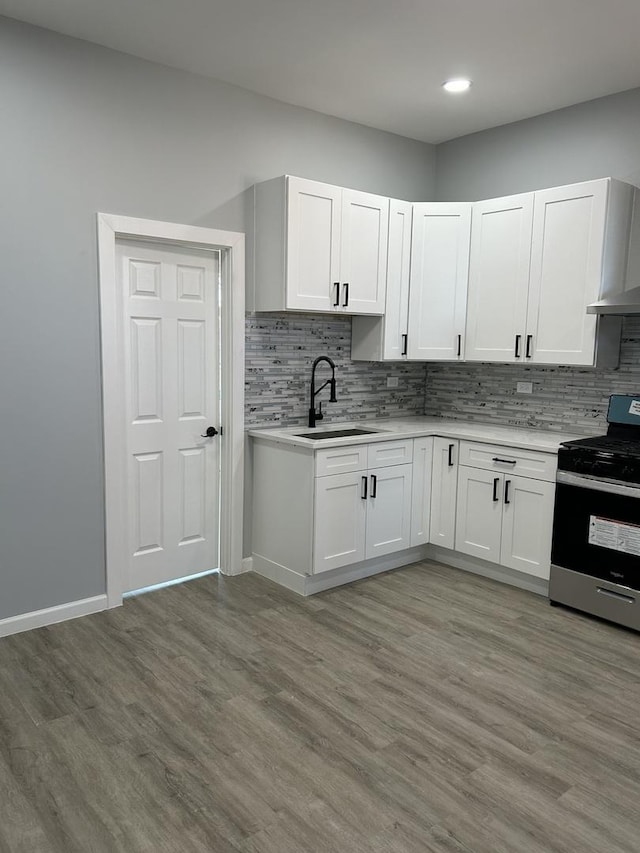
595	555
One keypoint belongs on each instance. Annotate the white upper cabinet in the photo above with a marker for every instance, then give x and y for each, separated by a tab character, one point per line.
439	275
499	278
314	215
319	248
579	244
385	338
363	252
537	261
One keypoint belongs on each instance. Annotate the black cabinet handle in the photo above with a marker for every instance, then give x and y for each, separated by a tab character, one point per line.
506	461
517	351
363	493
336	301
507	483
405	339
529	342
374	485
459	353
346	294
496	483
451	446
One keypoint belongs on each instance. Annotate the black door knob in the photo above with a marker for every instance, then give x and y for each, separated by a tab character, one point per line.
211	431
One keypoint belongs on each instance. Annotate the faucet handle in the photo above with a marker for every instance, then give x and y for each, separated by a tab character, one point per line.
319	415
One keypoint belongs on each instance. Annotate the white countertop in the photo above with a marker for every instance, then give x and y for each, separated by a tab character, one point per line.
388	429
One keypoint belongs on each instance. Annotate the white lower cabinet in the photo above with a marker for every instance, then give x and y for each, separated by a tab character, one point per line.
505	519
527	523
479	513
444	490
361	516
340	518
421	490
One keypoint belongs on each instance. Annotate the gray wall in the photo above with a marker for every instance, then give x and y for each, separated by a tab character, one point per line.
596	139
85	129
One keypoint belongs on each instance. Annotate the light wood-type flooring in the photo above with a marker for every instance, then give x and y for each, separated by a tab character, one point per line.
421	711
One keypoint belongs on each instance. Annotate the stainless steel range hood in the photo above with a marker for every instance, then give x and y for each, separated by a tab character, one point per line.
624	303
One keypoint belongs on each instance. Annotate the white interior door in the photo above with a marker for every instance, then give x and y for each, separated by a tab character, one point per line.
170	300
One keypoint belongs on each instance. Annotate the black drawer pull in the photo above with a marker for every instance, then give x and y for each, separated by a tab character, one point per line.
529	342
363	493
336	301
507	483
496	483
506	461
450	460
346	295
459	352
517	351
374	485
405	339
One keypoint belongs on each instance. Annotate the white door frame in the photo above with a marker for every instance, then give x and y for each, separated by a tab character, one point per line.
231	246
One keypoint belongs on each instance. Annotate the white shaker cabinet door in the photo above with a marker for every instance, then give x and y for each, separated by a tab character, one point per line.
363	266
566	273
444	487
396	317
527	525
421	490
499	278
340	519
439	275
479	513
388	510
314	221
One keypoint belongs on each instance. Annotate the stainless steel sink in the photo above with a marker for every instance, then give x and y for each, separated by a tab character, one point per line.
335	433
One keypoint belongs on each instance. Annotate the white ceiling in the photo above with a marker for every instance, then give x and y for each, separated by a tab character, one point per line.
378	62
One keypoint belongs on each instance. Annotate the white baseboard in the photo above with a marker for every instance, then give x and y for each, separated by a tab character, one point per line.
310	584
279	574
51	615
338	577
247	564
531	583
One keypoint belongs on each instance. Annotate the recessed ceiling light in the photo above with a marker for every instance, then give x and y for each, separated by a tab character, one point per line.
459	84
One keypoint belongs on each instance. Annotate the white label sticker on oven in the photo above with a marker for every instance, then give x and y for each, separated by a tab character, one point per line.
617	535
634	408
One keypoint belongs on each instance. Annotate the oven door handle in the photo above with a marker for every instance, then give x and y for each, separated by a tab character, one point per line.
597	485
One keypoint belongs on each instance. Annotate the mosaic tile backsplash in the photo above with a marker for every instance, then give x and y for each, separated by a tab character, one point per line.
564	398
280	349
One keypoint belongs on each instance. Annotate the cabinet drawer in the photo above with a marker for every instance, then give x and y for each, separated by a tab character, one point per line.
341	460
384	453
493	457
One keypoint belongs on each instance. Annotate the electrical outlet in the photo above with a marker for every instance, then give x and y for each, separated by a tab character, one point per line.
392	381
524	388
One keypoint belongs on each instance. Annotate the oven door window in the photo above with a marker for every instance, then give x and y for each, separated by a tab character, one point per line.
597	533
